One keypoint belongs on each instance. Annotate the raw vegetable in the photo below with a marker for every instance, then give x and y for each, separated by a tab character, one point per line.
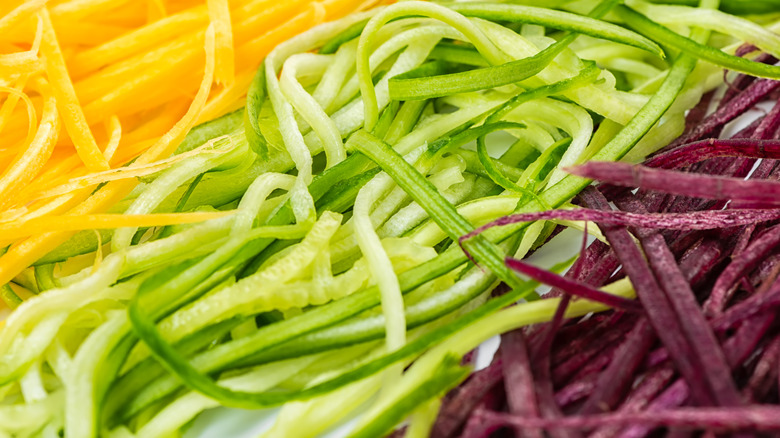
328	273
643	380
126	86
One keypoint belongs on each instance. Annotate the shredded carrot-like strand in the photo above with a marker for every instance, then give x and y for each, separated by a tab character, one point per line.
219	13
103	221
70	109
19	14
133	171
29	163
32	117
115	130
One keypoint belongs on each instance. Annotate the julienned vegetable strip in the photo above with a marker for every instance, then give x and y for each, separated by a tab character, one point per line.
668	37
84	222
255	97
698	220
710	187
70	109
586	25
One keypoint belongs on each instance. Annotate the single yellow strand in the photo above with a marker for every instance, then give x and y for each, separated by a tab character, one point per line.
168	142
10	104
30	162
228	99
115	129
219	14
13	214
18	230
22	63
70	33
133	171
78	9
270	14
153	127
32	116
58	205
259	47
70	109
55	174
19	14
132	91
161	59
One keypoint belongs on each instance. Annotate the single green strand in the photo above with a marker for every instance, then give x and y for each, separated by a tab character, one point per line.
531	174
736	7
386	118
348	34
587	25
474	80
589	73
458	53
9	297
670	38
255	96
44	276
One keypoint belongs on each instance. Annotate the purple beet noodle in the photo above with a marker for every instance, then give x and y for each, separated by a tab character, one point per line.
518	378
765	372
696	152
766	193
540	354
743	101
572	287
615	381
647	390
465	398
754	417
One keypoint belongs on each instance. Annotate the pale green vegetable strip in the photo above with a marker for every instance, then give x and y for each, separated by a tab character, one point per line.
392	301
81	404
309	108
489	50
713	20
